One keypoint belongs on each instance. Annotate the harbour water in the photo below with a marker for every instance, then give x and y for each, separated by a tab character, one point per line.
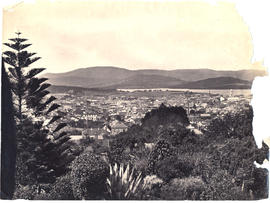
224	92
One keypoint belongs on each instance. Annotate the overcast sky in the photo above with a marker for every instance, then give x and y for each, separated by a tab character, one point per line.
134	35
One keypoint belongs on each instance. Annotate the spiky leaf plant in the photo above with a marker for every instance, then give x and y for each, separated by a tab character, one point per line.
122	184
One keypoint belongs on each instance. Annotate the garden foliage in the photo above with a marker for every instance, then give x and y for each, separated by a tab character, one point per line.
123	183
88	176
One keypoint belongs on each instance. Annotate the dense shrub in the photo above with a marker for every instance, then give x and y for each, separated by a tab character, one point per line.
237	125
178	135
223	186
25	192
173	167
88	176
202	163
183	189
165	115
140	164
42	196
151	181
151	188
61	190
120	156
33	192
260	186
162	150
262	153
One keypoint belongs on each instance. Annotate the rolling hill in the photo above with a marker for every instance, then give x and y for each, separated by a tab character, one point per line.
147	81
114	77
217	83
89	77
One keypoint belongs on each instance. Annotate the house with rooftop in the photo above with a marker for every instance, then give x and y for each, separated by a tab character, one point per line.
117	128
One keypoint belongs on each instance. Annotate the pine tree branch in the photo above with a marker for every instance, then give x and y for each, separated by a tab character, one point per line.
20	40
60	135
23	46
25	60
50	100
33	72
55	118
53	107
17	46
29	61
11	55
59	127
10	61
13	73
34	84
43	87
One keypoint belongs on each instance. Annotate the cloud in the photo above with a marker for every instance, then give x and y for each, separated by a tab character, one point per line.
134	35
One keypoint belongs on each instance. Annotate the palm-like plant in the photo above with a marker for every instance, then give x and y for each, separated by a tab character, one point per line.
122	184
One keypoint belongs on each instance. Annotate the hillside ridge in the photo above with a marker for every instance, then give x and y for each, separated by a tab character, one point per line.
115	77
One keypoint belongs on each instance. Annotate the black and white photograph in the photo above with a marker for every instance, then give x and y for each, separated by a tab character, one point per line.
131	100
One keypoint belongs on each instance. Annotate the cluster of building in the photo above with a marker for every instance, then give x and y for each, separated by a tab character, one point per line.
103	116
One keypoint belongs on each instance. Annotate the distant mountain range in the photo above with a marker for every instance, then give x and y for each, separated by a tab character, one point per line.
113	77
217	83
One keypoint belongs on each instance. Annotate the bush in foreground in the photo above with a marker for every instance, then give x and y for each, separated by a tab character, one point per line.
61	190
122	183
173	167
88	176
183	189
25	192
223	186
151	188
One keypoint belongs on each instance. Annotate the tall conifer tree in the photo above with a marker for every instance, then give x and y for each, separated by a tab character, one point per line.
8	139
42	145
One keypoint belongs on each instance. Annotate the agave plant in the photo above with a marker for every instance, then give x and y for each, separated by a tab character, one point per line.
122	184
